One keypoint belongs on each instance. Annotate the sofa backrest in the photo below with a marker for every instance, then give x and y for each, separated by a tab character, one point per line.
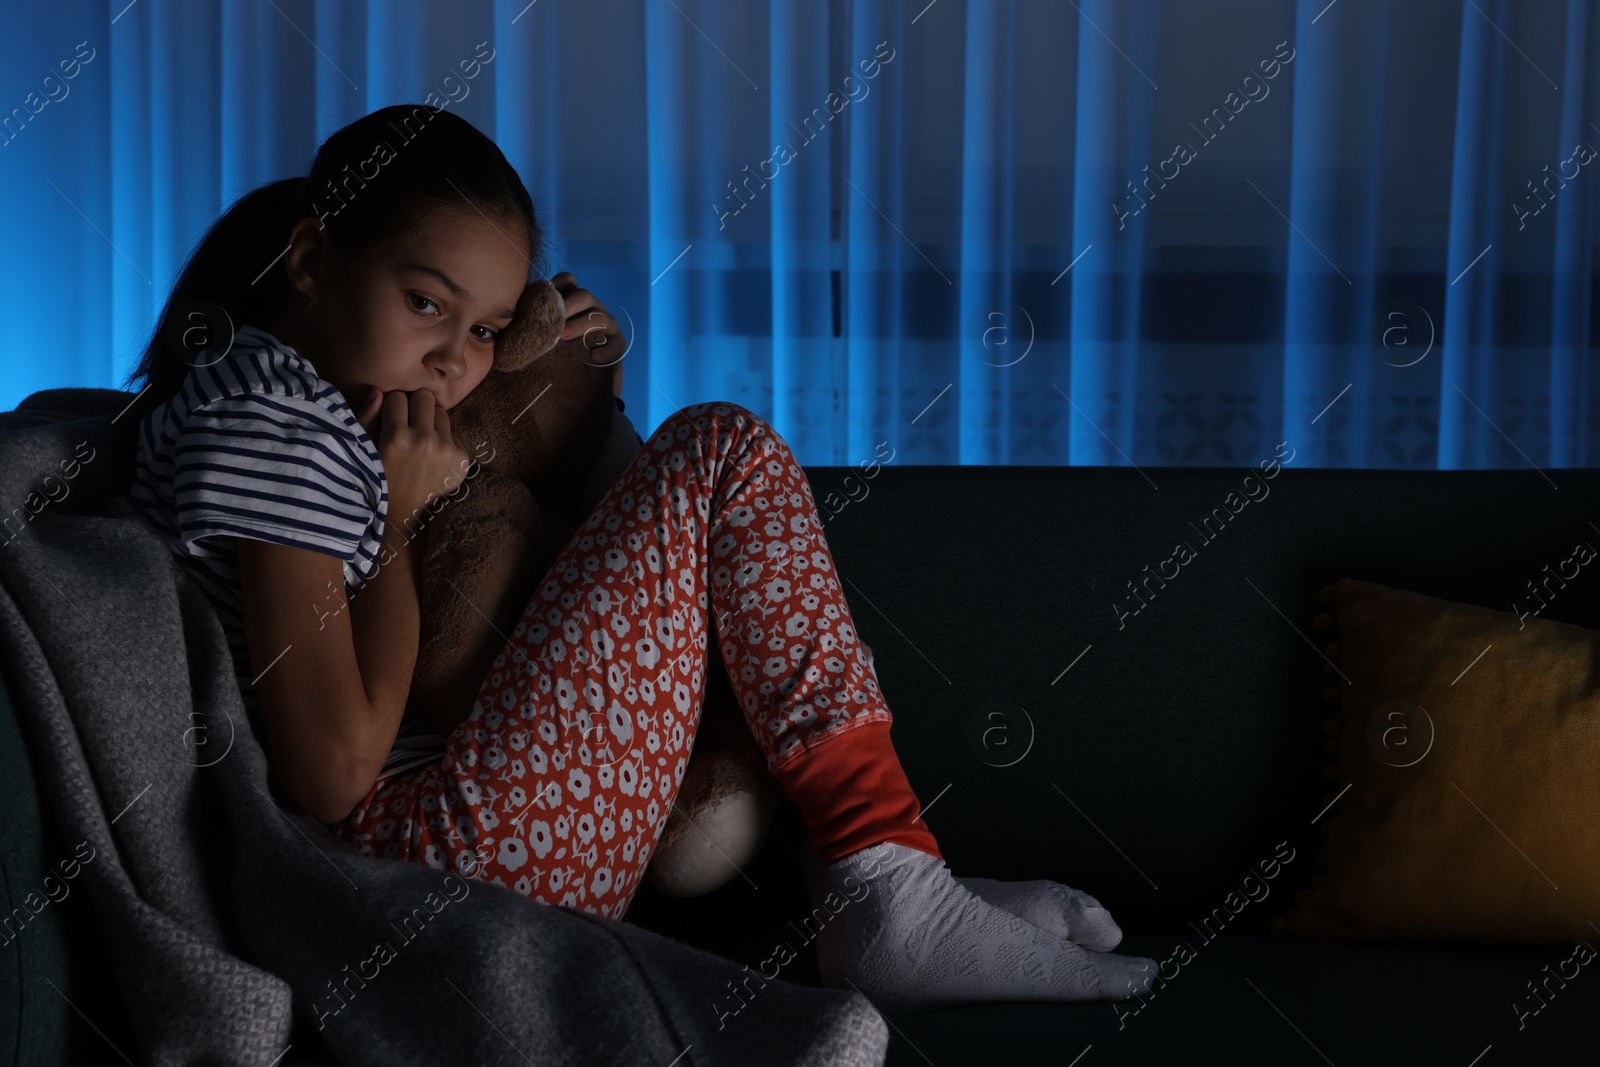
1185	741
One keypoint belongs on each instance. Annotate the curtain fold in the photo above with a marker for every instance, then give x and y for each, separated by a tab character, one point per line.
1476	185
1148	232
984	280
1113	190
1573	265
890	396
807	385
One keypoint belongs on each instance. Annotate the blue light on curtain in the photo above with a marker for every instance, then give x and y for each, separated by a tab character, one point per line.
1109	228
1157	232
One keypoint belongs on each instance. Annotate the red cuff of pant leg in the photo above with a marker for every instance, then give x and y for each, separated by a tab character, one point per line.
852	793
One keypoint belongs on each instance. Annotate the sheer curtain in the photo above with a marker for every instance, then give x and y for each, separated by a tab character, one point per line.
1149	232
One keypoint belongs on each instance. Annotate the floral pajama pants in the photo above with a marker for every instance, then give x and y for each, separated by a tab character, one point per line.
559	783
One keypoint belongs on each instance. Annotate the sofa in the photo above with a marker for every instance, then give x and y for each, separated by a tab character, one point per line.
1174	751
1151	749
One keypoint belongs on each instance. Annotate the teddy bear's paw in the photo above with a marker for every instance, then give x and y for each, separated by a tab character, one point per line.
717	825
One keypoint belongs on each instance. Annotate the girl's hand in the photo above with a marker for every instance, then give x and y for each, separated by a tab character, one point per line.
420	456
587	318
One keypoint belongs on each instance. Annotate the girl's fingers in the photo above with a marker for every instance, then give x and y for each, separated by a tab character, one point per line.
605	344
371	408
594	327
576	323
587	318
579	306
567	286
396	409
422	407
576	300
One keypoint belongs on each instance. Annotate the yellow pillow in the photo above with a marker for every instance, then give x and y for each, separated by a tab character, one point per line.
1470	739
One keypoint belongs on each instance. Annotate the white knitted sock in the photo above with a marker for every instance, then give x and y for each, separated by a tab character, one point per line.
915	938
1069	913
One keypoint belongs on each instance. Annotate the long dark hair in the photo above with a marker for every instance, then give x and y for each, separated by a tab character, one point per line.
375	184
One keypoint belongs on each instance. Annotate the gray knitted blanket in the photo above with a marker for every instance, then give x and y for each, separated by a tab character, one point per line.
237	931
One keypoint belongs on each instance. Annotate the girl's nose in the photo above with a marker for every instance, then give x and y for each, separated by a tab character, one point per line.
451	358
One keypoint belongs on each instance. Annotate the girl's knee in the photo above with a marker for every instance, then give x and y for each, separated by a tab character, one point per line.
726	409
696	418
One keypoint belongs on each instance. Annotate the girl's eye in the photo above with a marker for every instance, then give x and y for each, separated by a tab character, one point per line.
410	297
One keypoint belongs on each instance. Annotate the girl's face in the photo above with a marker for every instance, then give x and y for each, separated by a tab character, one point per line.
423	317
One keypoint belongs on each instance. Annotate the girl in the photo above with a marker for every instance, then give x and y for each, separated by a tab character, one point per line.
288	467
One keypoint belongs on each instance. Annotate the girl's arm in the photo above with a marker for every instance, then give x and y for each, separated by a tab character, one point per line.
337	670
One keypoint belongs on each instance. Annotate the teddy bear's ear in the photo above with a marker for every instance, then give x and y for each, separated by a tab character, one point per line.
534	328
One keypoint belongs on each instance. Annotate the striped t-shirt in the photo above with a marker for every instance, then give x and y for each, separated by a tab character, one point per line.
257	444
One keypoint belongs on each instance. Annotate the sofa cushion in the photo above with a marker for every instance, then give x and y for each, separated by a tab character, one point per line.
1261	1000
1468	741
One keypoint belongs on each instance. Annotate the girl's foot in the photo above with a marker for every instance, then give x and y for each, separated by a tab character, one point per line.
915	938
1069	913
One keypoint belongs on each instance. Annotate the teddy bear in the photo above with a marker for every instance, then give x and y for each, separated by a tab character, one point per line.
549	441
725	802
537	426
